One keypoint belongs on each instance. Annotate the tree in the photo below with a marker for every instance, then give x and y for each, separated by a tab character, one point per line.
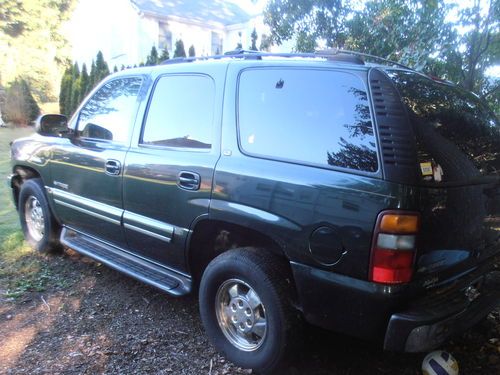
65	91
20	106
308	21
164	56
254	37
84	83
191	51
409	32
32	44
152	58
265	43
101	68
179	49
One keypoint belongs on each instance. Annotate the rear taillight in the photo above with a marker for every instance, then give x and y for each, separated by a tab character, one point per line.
394	247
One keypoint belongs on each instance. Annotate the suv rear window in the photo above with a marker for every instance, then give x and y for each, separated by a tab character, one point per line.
458	137
316	117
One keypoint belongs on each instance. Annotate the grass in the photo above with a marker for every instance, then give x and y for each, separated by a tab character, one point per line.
21	270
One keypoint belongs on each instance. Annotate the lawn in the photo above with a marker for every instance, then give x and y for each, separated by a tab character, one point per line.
21	270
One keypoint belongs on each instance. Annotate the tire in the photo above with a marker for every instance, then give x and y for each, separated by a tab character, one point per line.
40	228
246	307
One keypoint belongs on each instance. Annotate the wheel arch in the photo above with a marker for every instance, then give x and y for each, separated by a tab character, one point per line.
210	238
21	173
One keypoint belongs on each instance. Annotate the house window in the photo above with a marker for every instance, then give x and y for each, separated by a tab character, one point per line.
216	43
164	37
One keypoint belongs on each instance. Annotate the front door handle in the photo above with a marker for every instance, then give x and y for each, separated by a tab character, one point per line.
113	167
188	180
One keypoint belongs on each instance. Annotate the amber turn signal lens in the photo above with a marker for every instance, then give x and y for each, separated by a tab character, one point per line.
397	223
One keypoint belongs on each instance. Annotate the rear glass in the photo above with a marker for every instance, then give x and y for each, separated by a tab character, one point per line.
458	137
317	117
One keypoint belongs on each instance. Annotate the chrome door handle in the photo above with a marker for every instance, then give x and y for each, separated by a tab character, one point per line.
188	180
113	167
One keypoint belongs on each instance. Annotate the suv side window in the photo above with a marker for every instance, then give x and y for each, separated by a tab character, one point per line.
109	113
181	113
316	117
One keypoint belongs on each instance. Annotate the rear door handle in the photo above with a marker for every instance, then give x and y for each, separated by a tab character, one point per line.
113	167
188	180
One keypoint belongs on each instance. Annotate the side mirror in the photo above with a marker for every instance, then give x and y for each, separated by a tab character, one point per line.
52	125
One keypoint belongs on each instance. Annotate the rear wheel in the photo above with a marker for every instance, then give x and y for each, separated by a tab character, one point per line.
245	305
37	222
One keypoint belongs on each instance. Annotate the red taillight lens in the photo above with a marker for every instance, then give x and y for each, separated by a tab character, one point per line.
393	250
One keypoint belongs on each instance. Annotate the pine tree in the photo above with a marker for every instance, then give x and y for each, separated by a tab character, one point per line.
92	76
102	69
164	56
254	37
84	83
115	69
179	49
191	51
152	59
75	93
65	90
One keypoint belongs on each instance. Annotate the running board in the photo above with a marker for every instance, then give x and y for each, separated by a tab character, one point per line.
129	264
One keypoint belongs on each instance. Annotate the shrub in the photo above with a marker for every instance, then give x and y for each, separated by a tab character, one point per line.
20	107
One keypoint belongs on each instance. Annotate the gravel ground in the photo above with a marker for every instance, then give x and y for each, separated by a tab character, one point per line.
89	319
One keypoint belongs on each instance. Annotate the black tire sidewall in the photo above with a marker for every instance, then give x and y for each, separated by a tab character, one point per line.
271	351
33	188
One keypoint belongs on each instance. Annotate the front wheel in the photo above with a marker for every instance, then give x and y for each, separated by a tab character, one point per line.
245	305
40	229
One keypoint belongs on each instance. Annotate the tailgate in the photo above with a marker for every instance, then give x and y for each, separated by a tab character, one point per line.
458	152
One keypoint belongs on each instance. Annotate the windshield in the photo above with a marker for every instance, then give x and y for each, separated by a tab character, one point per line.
457	136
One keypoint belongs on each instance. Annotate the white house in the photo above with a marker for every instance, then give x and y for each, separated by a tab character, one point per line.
125	30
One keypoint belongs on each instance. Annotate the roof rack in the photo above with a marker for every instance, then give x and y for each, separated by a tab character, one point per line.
334	51
332	54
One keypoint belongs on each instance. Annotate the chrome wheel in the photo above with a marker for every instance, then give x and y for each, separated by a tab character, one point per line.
35	221
241	315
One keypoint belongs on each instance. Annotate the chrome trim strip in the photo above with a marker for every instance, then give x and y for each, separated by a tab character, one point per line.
147	232
151	226
83	210
89	205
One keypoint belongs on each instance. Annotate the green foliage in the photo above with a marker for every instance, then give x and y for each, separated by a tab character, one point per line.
191	51
164	56
101	68
309	20
20	107
254	37
438	37
265	43
76	84
179	49
32	45
153	58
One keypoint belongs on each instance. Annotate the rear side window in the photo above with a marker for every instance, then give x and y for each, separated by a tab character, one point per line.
109	113
316	117
181	113
458	137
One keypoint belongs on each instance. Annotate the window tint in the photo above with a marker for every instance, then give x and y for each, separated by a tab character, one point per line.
110	112
314	116
458	137
181	113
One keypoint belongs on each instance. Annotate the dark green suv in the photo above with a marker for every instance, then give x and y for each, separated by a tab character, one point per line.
362	198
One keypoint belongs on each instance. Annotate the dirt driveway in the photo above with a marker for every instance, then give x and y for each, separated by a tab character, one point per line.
88	319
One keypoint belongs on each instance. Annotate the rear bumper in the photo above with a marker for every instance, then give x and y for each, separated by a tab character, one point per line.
393	315
424	327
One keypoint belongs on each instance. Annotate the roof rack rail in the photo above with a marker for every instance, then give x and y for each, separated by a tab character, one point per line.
332	54
337	51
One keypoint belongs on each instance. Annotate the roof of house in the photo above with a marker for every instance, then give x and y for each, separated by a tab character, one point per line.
220	11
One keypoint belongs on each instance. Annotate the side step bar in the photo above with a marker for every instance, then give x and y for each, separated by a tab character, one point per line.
131	265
